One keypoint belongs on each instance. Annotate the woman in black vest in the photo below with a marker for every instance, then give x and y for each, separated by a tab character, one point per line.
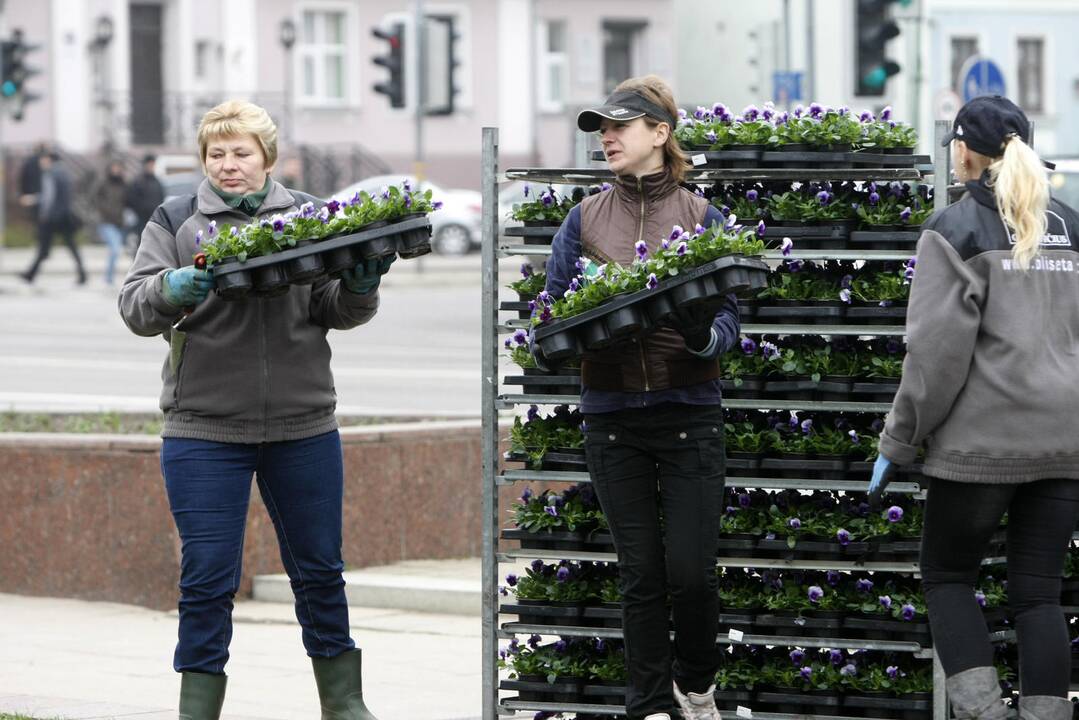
654	424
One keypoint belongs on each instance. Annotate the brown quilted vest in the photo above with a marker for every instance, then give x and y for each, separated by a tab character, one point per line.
611	224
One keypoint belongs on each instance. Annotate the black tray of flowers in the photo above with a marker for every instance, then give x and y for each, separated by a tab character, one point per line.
308	261
534	233
644	311
587	540
538	382
536	689
885	239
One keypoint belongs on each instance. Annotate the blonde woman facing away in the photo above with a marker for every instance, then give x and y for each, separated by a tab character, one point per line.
990	387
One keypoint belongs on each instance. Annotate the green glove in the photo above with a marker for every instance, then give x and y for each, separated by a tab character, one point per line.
366	276
186	286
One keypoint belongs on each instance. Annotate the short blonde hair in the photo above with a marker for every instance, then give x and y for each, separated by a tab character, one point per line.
233	118
656	90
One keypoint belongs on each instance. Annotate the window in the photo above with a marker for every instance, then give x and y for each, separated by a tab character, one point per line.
620	52
553	65
963	48
202	59
1031	74
322	55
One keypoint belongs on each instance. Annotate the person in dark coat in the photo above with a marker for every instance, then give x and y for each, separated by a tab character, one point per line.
144	194
55	214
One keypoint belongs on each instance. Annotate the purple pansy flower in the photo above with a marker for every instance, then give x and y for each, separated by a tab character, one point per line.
743	500
832	577
797	656
892	671
794	523
835	656
815	594
681	249
752	195
511	580
769	350
761	228
824	197
894	514
865	116
806	673
537	565
874	198
807	426
676	232
751	113
844	295
562	575
864	585
843	536
848	670
786	246
979	597
652	282
885	602
642	249
211	229
533	412
748	346
886	113
907	611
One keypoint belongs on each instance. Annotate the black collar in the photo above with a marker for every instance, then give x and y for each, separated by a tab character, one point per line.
982	192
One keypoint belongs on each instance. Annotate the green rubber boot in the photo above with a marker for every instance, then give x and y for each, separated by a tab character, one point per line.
201	696
340	688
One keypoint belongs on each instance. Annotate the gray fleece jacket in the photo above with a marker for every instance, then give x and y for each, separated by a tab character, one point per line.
243	371
991	379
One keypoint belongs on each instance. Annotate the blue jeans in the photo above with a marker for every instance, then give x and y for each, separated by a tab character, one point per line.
209	487
112	236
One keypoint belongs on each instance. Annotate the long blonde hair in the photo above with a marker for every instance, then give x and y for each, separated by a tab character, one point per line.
655	89
1021	189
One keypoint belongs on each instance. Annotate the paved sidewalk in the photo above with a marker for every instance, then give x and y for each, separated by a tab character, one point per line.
79	660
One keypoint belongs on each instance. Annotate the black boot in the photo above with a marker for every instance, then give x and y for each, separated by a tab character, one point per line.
201	696
340	688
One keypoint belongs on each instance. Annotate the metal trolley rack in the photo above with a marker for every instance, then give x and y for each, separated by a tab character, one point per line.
494	400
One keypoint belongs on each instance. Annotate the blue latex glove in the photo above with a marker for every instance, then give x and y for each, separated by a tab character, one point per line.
186	286
366	276
883	473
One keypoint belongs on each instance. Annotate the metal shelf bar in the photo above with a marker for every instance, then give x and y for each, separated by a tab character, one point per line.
510	401
529	706
510	629
788	329
592	176
509	477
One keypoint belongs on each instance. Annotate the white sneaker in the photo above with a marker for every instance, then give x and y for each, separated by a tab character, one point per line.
658	716
698	706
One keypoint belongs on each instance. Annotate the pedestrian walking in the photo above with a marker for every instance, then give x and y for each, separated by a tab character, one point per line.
55	215
248	391
652	411
145	193
110	197
990	386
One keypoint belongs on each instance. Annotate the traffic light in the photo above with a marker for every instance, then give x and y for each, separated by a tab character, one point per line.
873	27
439	83
392	60
14	72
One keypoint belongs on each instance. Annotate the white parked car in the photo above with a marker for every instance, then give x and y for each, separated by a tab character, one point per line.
1064	181
455	228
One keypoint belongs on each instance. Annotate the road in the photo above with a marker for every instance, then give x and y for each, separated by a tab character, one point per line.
64	348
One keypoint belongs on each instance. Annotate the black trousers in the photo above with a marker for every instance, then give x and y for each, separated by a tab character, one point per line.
659	476
960	518
45	233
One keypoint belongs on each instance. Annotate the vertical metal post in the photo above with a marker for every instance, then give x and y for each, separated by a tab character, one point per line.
940	694
786	36
489	414
420	166
810	89
942	164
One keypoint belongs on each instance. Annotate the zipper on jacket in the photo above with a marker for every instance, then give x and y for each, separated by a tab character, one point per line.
265	369
640	237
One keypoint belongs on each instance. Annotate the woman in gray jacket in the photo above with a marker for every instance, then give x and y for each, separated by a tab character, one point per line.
990	387
248	390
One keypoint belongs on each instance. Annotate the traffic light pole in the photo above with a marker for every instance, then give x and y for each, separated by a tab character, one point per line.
419	165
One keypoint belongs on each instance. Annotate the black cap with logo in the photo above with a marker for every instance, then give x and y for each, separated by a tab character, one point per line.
623	107
985	122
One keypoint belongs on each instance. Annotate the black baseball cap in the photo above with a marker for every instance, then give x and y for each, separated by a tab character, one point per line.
623	106
985	122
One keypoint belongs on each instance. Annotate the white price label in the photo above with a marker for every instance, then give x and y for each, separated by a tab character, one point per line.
743	712
736	635
698	159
